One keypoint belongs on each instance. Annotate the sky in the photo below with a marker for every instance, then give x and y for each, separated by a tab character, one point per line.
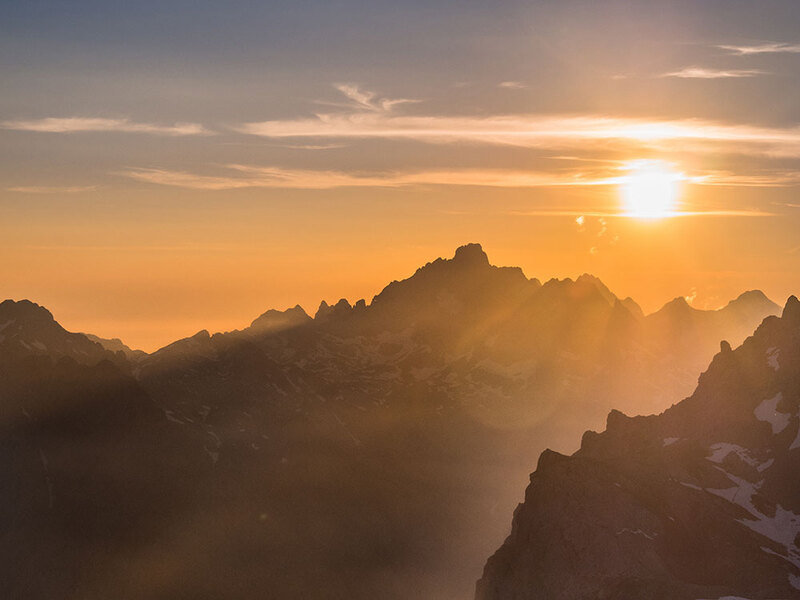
172	166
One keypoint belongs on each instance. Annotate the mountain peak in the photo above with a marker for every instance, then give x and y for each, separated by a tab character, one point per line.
325	311
751	296
677	306
791	311
471	254
753	300
24	309
273	320
587	279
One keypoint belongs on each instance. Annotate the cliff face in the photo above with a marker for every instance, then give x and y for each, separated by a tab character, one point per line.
701	501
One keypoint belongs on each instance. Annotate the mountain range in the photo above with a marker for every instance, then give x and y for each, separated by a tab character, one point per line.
372	450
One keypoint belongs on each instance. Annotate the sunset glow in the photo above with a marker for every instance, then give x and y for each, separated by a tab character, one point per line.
293	295
650	190
156	180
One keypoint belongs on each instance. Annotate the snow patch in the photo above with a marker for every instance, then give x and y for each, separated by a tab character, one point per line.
213	455
649	536
765	465
729	598
720	451
767	412
782	528
796	442
670	440
772	357
794	581
171	417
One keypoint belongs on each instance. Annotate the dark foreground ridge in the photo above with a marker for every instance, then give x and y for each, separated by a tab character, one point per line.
702	501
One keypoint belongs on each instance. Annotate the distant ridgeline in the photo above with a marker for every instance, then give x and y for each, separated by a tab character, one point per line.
376	450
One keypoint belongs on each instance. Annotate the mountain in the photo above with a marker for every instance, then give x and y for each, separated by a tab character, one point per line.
95	480
274	321
27	329
701	501
445	385
116	345
373	450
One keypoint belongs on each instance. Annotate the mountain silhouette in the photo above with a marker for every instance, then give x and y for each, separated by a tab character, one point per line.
27	329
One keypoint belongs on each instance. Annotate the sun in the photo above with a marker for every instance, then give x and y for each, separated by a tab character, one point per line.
651	189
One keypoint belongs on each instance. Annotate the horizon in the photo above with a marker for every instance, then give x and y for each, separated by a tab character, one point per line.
312	309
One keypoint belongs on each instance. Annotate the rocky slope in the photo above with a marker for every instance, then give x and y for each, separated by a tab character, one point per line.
701	501
95	480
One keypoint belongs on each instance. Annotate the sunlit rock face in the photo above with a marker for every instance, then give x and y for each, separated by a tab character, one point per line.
701	501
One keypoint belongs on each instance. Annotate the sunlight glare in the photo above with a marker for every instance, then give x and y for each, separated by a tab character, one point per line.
650	190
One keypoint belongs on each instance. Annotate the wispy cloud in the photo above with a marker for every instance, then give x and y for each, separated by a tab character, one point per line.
779	178
616	213
704	73
84	124
512	85
314	146
366	117
236	176
765	48
244	176
41	189
364	100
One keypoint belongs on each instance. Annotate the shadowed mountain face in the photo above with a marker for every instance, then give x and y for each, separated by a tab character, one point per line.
95	480
701	501
371	451
27	329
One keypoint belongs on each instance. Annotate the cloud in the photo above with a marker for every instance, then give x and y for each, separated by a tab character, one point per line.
237	176
40	189
364	100
557	132
84	124
765	48
770	179
244	176
555	212
512	85
703	73
314	146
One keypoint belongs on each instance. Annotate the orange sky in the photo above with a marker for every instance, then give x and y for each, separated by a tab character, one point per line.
158	277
